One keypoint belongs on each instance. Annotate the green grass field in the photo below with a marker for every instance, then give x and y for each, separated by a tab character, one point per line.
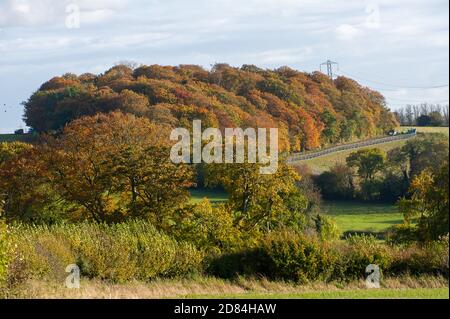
363	217
215	196
420	293
350	216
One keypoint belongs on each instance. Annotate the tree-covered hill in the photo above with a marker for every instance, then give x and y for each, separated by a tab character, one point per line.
310	110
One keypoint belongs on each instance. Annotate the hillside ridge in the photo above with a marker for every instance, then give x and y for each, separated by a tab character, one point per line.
310	109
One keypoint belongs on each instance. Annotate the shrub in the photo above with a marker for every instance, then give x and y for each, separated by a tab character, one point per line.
122	252
295	257
358	253
403	234
208	228
291	256
431	259
280	255
45	253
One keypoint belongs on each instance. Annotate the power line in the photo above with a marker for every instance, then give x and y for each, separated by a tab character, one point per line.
395	85
416	101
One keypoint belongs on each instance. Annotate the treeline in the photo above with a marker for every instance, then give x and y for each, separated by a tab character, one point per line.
309	109
116	167
423	115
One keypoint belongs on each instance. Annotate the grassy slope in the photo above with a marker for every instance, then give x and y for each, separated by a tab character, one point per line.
322	164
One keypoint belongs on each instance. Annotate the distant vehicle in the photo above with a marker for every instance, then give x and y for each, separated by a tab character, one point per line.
393	133
19	132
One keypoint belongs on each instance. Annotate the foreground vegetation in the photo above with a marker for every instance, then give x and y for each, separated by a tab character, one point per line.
136	251
242	288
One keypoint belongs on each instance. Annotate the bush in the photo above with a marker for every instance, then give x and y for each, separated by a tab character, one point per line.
280	255
338	183
208	228
296	257
403	234
122	252
359	252
44	252
431	259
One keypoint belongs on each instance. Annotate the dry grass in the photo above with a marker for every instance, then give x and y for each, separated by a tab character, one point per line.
211	287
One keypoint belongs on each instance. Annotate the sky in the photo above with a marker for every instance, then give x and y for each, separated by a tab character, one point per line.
398	47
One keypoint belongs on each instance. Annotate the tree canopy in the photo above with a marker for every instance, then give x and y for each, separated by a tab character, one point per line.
309	108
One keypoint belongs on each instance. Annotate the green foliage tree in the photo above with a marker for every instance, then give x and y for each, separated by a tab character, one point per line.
414	157
429	204
209	228
368	162
331	132
259	201
338	183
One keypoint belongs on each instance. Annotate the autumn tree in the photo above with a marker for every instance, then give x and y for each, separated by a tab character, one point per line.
312	108
25	194
117	166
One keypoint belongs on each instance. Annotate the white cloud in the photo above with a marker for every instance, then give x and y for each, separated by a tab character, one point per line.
347	32
15	13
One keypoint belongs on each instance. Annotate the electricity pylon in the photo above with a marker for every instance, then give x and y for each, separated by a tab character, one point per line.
329	65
